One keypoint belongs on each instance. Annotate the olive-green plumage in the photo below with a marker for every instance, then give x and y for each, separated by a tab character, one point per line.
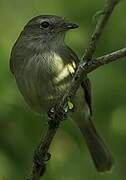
43	66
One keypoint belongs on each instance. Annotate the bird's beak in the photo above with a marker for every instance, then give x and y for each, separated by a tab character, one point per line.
68	26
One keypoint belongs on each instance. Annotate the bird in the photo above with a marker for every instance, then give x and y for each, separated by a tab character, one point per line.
43	66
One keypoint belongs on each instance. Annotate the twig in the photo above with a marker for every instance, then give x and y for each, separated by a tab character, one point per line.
39	163
38	168
103	19
98	62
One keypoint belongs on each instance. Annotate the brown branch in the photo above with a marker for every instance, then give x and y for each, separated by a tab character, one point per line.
98	62
39	160
103	19
39	163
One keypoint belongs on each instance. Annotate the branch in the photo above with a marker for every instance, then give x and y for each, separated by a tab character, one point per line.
104	16
94	64
38	168
55	115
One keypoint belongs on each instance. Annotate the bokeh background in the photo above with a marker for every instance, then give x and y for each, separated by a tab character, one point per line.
20	128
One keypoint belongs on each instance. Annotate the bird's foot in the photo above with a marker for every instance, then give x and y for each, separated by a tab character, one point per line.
55	116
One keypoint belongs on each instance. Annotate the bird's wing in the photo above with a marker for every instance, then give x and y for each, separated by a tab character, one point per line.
86	85
72	59
16	58
11	63
99	151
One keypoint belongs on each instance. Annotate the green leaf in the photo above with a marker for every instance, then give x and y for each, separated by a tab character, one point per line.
70	105
97	15
66	108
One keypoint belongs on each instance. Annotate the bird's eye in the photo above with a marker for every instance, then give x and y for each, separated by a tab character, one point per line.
44	24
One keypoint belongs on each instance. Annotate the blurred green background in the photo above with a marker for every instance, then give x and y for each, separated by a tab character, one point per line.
20	128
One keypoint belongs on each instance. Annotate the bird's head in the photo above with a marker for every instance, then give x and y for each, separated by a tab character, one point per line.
48	26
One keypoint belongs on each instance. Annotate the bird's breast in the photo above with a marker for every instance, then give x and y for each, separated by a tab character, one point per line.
43	79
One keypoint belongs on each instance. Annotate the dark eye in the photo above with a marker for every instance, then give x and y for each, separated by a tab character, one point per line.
44	24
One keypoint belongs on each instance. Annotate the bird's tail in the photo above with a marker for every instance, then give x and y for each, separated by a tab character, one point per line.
99	151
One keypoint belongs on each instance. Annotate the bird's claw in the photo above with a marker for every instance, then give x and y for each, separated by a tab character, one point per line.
55	116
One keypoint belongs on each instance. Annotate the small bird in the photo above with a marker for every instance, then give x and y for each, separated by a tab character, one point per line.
43	66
